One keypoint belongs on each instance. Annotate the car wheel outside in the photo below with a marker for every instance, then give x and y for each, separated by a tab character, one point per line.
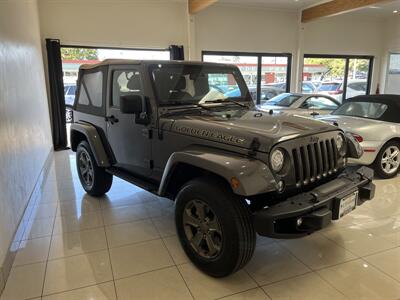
214	226
387	162
95	180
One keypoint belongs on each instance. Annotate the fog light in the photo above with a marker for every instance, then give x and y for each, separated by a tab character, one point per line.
299	222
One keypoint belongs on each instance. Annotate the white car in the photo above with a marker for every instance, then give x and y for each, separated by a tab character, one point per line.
355	87
301	104
374	121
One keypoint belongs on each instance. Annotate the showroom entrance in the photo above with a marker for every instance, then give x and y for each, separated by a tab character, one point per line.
75	56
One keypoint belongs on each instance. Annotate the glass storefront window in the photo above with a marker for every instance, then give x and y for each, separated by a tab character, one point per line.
393	75
337	77
262	72
246	64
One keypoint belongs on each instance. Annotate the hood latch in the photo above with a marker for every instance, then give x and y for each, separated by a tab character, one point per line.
254	146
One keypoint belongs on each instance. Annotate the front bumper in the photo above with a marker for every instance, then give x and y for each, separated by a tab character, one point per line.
316	208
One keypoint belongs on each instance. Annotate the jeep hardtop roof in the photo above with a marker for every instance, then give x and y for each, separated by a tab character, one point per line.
108	62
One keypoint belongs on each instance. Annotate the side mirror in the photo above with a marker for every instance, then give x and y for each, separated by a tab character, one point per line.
132	104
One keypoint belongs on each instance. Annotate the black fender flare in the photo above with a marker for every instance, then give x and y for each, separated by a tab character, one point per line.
94	139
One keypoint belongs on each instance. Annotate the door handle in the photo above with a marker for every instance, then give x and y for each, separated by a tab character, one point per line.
314	113
111	119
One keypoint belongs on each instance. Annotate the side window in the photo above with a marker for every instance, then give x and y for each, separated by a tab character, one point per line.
83	97
126	82
94	86
91	91
319	103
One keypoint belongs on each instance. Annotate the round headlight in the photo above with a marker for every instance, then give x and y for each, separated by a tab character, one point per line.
340	142
277	160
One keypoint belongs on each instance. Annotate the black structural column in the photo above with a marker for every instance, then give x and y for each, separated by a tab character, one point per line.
177	52
57	101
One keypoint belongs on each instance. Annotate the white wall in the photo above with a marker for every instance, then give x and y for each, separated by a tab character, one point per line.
25	138
345	34
247	29
135	23
225	27
221	27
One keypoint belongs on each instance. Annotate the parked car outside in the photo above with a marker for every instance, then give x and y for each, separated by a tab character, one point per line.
307	87
374	121
355	87
69	93
267	92
301	104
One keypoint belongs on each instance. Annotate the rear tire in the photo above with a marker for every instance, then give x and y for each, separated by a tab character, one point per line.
214	226
95	180
387	162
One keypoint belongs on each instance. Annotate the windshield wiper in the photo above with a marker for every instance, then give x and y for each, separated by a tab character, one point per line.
226	101
185	108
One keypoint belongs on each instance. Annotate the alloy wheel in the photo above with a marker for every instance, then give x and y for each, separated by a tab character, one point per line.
86	168
390	160
202	229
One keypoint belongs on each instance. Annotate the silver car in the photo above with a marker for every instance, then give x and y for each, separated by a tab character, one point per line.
375	122
301	104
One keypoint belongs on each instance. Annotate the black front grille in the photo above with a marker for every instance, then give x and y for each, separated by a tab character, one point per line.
314	161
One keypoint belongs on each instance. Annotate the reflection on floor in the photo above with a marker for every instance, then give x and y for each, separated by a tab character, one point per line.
124	246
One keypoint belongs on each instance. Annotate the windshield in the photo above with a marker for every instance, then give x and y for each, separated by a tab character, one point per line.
368	110
285	100
197	84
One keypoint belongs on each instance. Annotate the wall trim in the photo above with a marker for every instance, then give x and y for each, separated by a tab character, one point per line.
6	265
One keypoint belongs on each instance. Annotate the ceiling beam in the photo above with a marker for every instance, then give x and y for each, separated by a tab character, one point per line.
335	7
196	6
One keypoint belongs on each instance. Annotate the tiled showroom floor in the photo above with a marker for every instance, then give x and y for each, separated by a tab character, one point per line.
124	246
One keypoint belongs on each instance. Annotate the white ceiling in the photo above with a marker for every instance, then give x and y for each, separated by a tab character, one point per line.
384	10
279	4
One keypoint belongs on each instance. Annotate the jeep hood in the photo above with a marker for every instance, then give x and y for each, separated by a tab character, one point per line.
242	127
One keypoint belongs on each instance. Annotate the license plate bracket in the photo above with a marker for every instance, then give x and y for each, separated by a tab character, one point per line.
345	205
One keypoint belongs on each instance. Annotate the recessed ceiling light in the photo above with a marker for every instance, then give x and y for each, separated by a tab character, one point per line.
395	11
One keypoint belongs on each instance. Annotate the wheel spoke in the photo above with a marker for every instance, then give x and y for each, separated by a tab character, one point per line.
200	210
189	219
196	241
388	167
394	154
214	226
212	247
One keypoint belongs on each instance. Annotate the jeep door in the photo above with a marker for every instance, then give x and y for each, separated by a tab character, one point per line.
129	141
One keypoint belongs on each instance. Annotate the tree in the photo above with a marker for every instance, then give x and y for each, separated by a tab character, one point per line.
79	54
335	66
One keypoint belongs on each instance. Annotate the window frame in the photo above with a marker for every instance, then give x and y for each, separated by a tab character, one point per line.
122	68
91	109
259	56
347	59
388	68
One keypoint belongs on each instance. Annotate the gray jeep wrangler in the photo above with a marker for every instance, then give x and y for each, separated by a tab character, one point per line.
190	132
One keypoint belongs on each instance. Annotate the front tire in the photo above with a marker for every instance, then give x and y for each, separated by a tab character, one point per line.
95	180
387	161
214	226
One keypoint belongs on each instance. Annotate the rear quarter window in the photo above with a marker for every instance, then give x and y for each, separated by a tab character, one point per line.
91	92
